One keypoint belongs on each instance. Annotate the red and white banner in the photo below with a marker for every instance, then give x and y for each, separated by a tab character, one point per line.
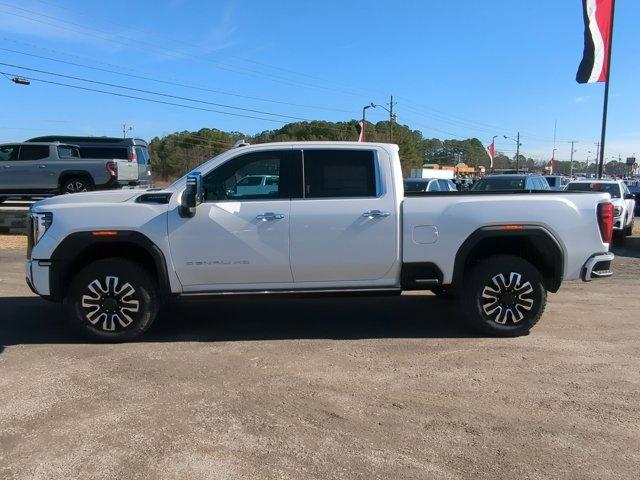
491	149
361	136
597	40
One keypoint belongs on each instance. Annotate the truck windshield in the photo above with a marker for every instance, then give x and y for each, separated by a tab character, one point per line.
490	184
611	188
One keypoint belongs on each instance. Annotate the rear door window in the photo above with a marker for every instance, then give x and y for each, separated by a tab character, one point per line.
339	173
34	152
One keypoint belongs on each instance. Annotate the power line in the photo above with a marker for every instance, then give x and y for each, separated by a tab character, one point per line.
157	80
233	68
140	90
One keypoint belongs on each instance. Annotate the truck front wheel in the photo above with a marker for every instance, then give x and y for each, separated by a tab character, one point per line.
504	296
112	300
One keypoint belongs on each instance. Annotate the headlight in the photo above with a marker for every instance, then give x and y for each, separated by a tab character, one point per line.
41	223
617	211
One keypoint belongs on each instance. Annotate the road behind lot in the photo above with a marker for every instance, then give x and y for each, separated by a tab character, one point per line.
325	388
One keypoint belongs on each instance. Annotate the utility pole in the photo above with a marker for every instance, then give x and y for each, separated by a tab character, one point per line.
518	154
391	118
125	130
572	142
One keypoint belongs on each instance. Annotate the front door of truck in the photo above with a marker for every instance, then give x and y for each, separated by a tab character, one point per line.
239	237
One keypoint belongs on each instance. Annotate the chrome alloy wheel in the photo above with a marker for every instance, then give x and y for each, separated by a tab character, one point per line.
504	301
75	187
109	304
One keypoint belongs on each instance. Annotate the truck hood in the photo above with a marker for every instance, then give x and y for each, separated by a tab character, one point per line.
107	196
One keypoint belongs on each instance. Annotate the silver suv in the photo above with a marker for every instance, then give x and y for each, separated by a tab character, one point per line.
41	168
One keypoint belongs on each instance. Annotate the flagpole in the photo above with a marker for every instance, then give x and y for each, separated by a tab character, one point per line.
605	106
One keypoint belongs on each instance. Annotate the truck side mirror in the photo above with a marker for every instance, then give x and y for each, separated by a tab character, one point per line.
629	196
192	195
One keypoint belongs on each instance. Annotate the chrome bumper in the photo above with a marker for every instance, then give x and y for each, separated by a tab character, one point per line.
598	266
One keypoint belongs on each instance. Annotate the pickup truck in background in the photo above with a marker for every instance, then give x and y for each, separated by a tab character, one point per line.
43	169
336	220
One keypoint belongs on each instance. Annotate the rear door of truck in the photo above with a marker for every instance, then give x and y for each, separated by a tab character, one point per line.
345	228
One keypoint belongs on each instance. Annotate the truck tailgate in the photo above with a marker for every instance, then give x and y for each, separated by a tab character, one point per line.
127	171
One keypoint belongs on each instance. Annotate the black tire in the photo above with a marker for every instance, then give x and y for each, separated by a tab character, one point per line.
110	310
629	230
504	296
75	185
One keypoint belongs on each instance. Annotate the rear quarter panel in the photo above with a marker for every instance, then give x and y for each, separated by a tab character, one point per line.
570	218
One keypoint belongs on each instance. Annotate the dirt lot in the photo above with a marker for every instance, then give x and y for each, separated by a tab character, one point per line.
345	388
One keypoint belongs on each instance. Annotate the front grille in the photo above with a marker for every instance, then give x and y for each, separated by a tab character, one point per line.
30	236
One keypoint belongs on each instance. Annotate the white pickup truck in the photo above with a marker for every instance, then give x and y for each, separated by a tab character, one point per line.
333	217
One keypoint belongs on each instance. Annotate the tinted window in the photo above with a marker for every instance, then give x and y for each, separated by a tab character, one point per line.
68	152
553	181
611	188
34	152
8	152
104	152
339	173
143	155
502	183
254	176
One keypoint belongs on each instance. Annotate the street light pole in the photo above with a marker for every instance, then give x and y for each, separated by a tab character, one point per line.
517	151
572	142
364	113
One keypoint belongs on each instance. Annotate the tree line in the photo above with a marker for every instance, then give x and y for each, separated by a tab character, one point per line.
176	153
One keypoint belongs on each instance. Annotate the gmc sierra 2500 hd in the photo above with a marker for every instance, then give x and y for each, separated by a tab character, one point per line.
311	217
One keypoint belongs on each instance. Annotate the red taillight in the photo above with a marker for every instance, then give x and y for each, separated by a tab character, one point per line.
133	156
605	221
112	169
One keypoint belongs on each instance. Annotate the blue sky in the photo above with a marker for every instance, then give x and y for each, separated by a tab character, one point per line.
458	69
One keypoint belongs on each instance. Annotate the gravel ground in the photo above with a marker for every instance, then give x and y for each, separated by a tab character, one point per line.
371	388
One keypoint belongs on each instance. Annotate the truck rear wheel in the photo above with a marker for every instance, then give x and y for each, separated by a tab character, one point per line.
75	185
504	296
112	300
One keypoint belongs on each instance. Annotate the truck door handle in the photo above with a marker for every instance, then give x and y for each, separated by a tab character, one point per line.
7	166
269	216
42	166
375	214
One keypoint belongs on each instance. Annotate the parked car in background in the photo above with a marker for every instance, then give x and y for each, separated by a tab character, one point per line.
557	182
415	185
132	149
624	202
510	182
339	221
38	168
635	191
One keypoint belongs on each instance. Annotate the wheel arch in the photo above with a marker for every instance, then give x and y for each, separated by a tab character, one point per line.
67	174
82	248
534	243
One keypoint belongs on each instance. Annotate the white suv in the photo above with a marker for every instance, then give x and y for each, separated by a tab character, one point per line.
623	200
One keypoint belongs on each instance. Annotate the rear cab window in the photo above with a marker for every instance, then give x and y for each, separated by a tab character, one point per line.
142	154
336	173
68	152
